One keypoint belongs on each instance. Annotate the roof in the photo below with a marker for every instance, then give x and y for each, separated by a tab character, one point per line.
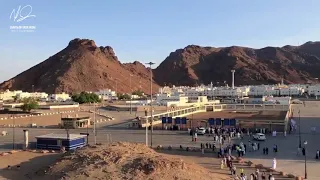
60	136
259	115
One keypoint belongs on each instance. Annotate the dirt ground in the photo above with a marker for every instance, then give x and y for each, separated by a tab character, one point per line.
30	164
47	120
118	161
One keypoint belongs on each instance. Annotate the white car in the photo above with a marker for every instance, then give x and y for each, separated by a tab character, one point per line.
201	131
259	137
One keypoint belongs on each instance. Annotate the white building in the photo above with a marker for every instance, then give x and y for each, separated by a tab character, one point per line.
313	90
9	95
37	95
106	94
60	97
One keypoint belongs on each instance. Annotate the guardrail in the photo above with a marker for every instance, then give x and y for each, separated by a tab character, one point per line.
247	107
214	107
172	113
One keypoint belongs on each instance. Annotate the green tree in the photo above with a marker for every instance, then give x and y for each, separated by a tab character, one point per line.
85	97
123	96
29	104
138	92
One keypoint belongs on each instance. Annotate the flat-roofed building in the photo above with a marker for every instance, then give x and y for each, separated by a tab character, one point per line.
75	122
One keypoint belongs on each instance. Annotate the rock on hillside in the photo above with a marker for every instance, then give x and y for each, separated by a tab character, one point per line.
194	65
82	66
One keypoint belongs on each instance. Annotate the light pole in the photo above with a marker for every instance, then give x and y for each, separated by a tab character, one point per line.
299	130
13	133
130	95
305	160
95	123
151	108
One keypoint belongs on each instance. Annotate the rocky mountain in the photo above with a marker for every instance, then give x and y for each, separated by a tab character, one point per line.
194	65
82	66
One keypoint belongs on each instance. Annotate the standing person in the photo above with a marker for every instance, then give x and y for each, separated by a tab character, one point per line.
192	136
298	151
264	150
221	164
274	163
195	137
303	151
234	169
317	154
267	150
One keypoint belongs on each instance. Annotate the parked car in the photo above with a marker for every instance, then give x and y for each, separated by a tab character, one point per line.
259	137
201	131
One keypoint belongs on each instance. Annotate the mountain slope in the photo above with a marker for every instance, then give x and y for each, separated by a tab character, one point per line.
82	66
194	65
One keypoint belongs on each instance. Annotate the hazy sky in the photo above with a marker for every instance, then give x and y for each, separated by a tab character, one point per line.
148	30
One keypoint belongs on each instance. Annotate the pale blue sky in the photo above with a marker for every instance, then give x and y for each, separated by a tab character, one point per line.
148	30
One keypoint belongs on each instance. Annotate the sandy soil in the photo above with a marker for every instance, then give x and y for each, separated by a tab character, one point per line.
47	120
127	161
31	165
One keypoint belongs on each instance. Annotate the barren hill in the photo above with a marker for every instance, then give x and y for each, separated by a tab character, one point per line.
194	65
82	66
126	161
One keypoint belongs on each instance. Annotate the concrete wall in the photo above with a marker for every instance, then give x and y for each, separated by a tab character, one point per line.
59	106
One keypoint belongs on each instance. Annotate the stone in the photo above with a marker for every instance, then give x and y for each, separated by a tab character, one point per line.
291	176
13	151
282	173
44	151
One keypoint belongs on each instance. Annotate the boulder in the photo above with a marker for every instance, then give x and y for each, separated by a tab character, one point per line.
259	166
283	173
291	176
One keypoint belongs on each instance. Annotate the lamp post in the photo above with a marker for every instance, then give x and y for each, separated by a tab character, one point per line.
130	95
13	133
305	160
95	123
151	108
299	130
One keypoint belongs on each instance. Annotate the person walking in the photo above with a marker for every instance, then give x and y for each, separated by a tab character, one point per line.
195	137
303	151
317	154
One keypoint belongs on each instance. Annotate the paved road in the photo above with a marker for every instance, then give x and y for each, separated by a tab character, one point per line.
287	158
288	161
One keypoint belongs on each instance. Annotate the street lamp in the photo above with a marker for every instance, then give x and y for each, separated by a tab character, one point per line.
130	95
151	108
305	160
299	130
13	133
94	125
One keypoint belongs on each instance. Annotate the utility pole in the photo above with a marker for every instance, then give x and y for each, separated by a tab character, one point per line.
305	160
95	123
299	130
116	86
130	95
13	133
151	108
